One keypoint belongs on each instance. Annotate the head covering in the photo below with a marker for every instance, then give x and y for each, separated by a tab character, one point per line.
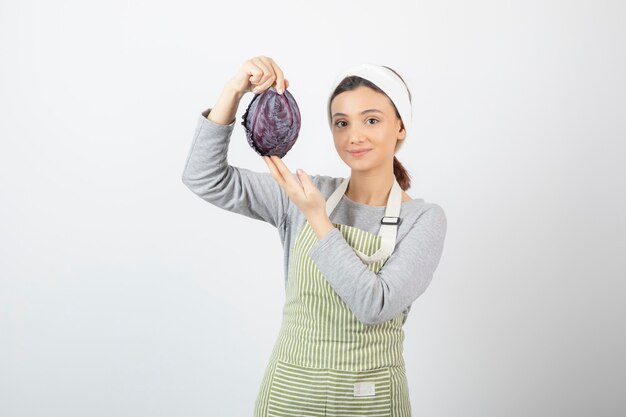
386	80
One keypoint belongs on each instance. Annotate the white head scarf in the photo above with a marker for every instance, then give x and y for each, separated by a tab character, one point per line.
390	83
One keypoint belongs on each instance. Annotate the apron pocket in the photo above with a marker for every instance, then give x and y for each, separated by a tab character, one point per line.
359	393
298	390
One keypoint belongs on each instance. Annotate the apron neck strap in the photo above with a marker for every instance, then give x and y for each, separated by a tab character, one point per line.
389	222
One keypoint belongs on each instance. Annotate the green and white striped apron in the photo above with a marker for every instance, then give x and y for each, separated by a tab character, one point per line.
325	361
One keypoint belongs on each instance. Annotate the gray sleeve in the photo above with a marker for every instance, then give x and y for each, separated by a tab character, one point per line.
239	190
376	298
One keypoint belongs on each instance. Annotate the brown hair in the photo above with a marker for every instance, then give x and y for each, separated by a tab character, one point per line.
351	83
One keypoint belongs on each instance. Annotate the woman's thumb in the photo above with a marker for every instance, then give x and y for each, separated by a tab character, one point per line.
304	178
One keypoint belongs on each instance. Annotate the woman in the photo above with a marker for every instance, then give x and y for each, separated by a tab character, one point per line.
358	250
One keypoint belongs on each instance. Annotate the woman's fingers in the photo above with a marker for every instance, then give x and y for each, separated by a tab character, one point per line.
260	62
287	176
280	77
268	72
277	74
274	171
305	179
255	72
270	75
267	84
281	174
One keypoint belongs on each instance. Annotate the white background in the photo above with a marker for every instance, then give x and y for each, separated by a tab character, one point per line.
124	294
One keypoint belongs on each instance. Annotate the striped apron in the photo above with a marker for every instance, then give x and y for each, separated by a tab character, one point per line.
325	361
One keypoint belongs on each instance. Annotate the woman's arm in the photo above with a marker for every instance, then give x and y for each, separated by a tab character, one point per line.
239	190
376	298
207	172
225	109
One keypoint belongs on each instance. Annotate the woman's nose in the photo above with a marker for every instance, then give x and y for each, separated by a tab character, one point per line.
356	135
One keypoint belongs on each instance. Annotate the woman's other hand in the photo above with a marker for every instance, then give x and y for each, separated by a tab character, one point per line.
304	194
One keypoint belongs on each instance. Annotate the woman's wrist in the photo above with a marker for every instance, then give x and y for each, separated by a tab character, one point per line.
321	225
232	92
226	106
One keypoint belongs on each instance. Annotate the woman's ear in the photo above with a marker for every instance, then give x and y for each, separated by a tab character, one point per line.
402	132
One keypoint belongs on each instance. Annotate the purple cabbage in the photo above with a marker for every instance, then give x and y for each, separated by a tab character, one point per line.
272	122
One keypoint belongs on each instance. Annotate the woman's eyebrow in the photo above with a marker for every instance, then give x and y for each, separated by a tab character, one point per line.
363	112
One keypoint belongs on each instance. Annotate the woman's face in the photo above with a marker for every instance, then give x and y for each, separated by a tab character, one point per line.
365	119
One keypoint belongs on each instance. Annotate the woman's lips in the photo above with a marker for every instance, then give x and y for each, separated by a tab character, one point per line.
360	153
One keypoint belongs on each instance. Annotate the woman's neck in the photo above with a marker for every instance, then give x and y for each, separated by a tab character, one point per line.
370	189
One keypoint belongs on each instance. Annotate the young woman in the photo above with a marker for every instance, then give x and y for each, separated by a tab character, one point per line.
358	250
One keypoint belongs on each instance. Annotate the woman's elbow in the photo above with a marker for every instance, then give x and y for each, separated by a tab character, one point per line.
372	319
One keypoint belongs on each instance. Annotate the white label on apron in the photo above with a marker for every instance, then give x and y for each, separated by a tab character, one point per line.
364	389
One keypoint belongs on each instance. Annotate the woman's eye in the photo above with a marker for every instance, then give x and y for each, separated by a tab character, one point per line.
342	121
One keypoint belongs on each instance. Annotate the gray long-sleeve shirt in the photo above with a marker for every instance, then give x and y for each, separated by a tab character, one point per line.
373	297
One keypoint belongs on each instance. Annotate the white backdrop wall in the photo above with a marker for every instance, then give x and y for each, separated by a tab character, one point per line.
124	294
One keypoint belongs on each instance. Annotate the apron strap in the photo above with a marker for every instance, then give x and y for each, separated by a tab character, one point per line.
389	222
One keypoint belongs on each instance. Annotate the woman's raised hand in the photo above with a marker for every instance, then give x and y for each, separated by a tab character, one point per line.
257	75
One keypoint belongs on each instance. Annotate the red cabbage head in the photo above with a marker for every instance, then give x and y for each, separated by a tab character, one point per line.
272	122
